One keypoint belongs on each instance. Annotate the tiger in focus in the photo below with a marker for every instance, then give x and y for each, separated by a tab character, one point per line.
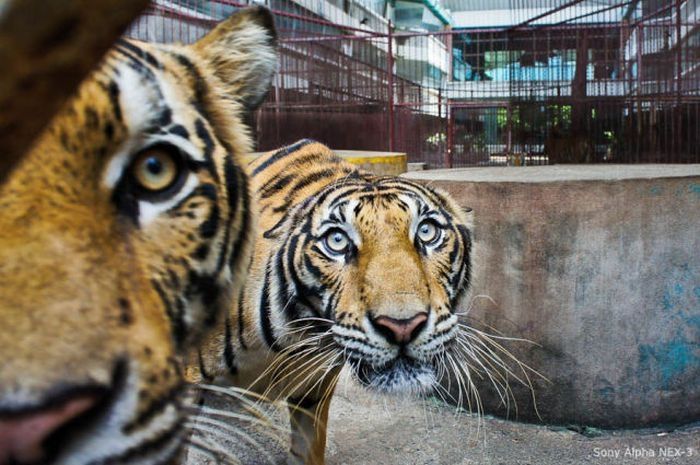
349	269
124	232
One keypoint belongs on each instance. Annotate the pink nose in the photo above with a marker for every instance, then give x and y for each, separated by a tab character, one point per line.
400	331
22	435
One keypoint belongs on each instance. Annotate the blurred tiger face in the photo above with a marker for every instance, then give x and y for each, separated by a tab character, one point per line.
387	261
122	234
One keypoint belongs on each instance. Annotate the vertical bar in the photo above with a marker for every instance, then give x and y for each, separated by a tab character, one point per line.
640	39
450	57
509	129
450	136
677	117
390	84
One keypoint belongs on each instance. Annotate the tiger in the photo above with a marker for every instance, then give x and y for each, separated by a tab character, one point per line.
124	231
349	268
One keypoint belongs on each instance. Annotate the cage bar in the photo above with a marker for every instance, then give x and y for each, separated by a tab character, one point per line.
562	82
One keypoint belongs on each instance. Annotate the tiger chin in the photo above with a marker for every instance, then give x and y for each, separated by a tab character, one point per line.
123	233
349	269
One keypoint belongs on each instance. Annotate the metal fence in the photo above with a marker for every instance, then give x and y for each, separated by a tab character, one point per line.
616	83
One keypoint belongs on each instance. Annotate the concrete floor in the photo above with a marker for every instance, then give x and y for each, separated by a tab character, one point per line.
369	430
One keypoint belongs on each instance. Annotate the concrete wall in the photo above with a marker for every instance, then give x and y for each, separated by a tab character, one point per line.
601	267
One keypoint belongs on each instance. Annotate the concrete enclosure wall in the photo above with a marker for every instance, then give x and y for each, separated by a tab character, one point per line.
600	266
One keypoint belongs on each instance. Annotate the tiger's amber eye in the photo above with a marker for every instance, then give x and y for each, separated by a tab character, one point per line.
155	170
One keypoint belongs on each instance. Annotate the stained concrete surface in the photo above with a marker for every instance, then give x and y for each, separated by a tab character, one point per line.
366	429
558	173
599	265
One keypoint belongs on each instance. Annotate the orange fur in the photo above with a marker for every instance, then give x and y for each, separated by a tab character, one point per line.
105	286
300	190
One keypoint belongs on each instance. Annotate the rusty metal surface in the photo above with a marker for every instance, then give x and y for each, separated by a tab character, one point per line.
46	48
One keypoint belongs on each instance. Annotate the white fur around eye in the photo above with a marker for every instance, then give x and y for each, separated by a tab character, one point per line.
116	167
149	211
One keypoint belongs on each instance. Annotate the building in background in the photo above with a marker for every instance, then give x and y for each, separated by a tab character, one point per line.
474	82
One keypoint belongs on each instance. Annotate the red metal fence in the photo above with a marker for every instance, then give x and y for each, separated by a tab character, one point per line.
620	83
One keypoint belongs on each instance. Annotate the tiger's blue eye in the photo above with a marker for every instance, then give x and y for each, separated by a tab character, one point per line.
427	232
337	242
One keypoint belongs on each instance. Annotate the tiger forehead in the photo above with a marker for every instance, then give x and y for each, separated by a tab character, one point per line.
354	204
156	90
396	208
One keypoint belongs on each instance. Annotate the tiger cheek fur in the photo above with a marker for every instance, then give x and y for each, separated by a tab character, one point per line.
124	233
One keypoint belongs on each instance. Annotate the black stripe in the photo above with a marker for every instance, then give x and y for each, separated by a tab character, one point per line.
156	407
312	178
232	177
333	301
113	92
311	268
179	130
152	445
241	323
137	64
203	369
441	318
304	182
265	322
302	291
141	53
243	191
461	285
176	315
289	304
200	85
306	402
206	138
275	157
210	226
228	355
232	200
204	287
271	189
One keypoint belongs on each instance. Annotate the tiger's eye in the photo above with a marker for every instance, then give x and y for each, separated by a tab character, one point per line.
337	242
155	170
427	232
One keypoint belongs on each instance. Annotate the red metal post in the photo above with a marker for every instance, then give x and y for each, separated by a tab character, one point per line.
450	136
390	84
677	135
640	116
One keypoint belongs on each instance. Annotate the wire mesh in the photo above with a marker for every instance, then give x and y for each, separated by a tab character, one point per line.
529	82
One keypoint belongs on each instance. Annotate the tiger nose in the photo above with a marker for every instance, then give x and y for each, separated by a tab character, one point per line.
400	331
23	433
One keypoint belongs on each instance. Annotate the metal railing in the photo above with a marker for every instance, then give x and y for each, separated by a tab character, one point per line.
616	83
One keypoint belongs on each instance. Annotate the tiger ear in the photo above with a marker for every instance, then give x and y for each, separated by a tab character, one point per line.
243	54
